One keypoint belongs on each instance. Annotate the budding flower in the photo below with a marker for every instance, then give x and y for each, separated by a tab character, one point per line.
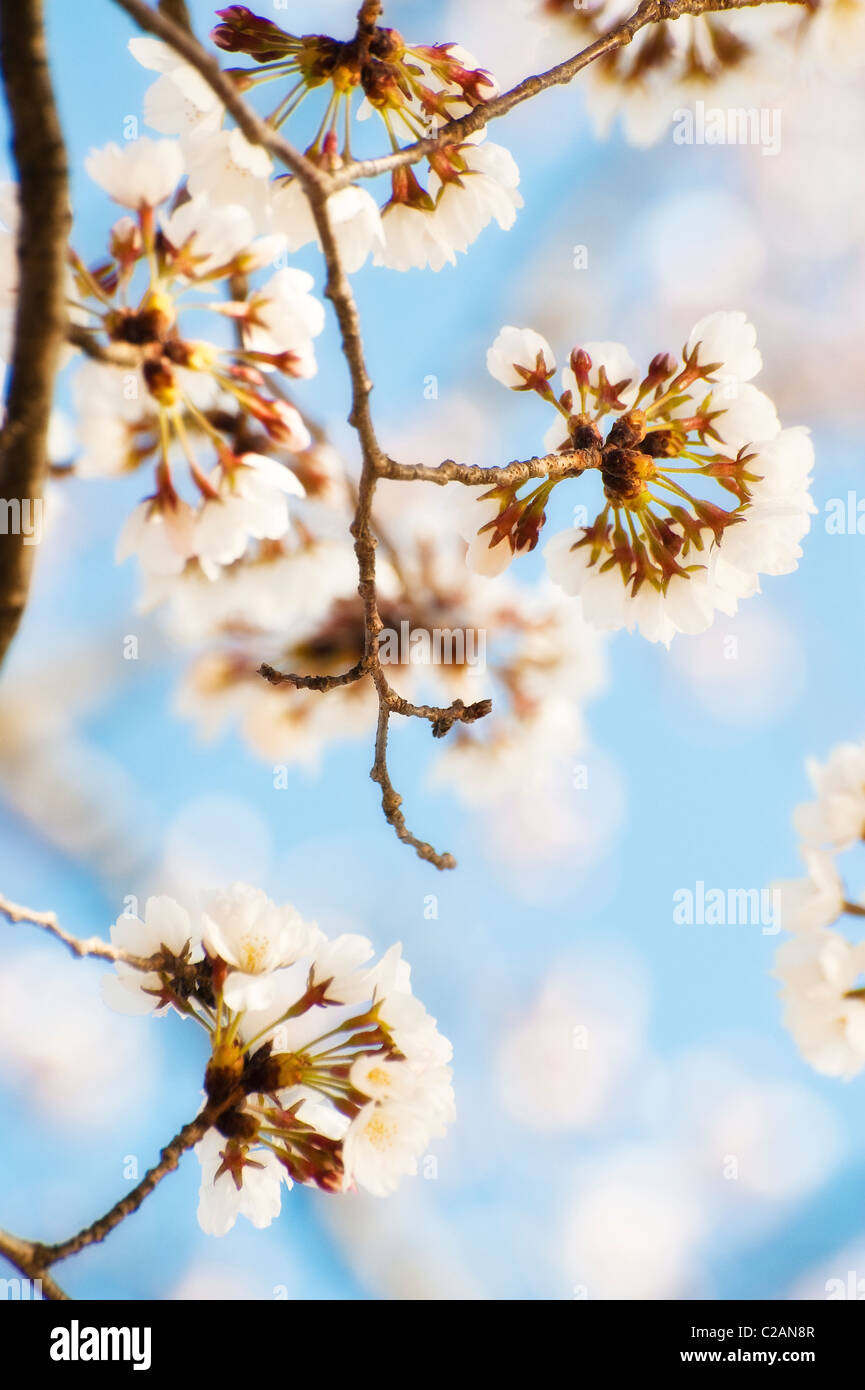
658	555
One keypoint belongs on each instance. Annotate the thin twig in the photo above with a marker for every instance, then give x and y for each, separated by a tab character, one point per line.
322	683
649	12
22	1255
34	1259
391	801
318	185
170	1156
559	465
256	130
123	355
40	320
90	946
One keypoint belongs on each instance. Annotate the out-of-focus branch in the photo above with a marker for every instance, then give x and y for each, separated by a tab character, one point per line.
40	321
177	11
88	946
123	355
169	1158
34	1259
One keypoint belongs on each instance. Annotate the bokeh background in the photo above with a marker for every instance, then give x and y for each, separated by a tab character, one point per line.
600	1171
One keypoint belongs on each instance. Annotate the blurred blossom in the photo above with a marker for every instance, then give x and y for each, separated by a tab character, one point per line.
722	231
635	1229
77	1066
561	1066
402	1249
771	1139
81	799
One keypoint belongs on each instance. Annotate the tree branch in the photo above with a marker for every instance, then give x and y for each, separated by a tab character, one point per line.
256	130
391	801
318	186
90	946
559	465
40	320
34	1259
649	12
170	1156
22	1255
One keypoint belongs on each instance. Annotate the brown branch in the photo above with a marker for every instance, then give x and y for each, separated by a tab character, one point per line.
559	465
318	187
256	130
34	1259
90	946
170	1156
123	355
40	320
391	801
442	719
177	11
22	1255
322	683
649	12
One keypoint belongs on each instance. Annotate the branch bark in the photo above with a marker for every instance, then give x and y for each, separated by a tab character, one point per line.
649	12
90	946
40	321
318	186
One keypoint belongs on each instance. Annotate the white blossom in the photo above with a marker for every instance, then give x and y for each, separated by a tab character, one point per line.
518	347
382	1145
180	101
413	239
251	501
141	174
253	936
166	925
818	969
221	1200
836	820
354	215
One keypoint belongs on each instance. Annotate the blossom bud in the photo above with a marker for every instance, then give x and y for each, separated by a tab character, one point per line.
581	365
241	31
126	242
661	366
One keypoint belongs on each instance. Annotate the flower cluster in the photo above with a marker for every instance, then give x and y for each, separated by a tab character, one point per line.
662	554
446	635
729	57
325	1069
414	89
155	391
821	971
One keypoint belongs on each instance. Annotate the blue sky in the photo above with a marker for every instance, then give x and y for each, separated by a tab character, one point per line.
708	787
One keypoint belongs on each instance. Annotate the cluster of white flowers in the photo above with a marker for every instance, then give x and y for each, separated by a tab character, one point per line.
822	972
658	556
728	59
413	88
527	647
214	410
325	1067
